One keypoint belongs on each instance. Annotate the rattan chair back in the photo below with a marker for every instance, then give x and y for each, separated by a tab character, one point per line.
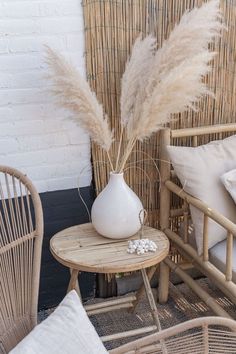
21	233
203	335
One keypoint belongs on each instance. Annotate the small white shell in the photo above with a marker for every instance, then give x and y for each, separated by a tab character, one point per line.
141	246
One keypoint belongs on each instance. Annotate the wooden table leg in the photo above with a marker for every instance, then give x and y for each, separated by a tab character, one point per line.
153	306
151	271
74	284
163	288
151	299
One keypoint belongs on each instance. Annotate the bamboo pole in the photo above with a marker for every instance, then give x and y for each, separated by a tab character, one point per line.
186	215
110	303
221	285
109	308
177	212
206	267
197	131
163	289
195	140
211	213
165	175
197	289
205	238
229	256
127	334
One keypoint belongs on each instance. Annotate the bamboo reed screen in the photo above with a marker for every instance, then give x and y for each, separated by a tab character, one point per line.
111	26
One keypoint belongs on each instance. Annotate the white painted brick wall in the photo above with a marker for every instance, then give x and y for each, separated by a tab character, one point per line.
36	136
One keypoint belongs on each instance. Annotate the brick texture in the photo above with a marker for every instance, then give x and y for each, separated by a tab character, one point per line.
36	136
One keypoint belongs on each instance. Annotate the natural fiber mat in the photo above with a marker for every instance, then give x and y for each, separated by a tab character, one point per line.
182	305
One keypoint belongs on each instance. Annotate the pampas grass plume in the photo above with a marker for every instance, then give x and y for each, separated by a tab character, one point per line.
75	94
155	85
178	67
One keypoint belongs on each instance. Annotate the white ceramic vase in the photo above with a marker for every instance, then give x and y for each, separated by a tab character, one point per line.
116	210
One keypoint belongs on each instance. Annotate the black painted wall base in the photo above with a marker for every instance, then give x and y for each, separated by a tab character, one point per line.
62	209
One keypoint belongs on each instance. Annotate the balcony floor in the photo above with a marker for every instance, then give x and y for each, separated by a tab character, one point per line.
182	305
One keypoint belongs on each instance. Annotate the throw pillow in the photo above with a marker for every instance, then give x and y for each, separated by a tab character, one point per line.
67	330
199	170
229	181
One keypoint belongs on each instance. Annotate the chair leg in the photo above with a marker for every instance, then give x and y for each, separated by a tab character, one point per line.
163	289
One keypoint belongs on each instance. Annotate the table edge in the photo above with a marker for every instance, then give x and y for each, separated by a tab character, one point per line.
116	269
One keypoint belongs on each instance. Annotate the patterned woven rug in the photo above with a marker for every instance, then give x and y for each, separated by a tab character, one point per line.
182	305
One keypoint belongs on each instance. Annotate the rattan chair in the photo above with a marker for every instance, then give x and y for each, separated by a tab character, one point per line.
199	336
21	234
175	204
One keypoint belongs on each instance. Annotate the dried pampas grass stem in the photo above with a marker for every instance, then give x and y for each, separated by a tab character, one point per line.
175	81
155	85
75	94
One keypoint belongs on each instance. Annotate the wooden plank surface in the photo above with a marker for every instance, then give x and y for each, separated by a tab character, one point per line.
81	247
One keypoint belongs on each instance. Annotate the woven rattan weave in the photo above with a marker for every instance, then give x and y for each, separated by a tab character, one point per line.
200	336
21	233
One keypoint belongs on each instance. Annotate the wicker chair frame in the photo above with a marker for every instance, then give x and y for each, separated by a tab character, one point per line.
199	336
21	235
170	188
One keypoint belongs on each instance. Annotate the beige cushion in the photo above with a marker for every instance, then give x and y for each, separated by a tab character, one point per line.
67	330
199	170
217	256
229	181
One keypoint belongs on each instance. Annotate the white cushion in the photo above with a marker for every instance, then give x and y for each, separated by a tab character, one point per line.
229	181
217	256
199	170
67	330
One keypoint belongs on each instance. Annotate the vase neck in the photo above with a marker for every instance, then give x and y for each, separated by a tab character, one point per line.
116	178
116	175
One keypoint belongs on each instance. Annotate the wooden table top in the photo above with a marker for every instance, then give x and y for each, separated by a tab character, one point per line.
81	247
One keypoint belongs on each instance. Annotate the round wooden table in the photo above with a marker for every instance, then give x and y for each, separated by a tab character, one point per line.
81	248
